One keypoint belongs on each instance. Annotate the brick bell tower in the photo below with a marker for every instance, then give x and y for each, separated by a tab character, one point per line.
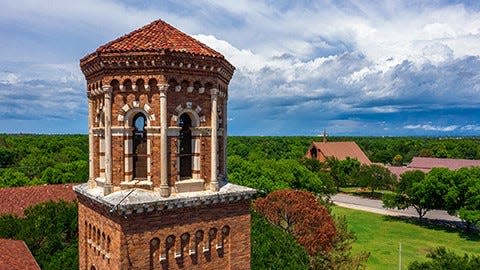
157	195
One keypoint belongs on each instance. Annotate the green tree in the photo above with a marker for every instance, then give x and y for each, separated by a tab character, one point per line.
422	192
342	171
12	178
463	195
409	192
375	177
50	232
397	160
273	248
443	259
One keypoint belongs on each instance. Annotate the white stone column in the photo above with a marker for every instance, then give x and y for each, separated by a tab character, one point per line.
164	188
225	125
107	91
91	149
214	141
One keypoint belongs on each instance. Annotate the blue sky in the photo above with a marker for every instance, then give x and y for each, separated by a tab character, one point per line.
374	68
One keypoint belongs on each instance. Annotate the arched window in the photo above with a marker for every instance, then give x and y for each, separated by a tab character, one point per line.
313	152
185	154
140	147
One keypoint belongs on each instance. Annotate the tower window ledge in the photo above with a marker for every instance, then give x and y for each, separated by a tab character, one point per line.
144	184
100	181
190	185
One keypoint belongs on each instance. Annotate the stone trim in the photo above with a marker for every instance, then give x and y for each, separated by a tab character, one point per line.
140	201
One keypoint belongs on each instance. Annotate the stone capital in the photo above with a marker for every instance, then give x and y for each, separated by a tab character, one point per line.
214	91
162	87
107	88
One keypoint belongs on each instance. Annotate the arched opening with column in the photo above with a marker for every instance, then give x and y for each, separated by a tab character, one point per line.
140	154
185	144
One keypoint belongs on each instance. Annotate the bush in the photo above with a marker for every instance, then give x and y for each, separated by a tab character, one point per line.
443	259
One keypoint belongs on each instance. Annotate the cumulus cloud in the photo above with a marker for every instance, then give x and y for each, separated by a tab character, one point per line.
432	128
354	67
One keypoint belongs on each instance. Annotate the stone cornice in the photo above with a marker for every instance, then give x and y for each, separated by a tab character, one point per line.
103	64
127	202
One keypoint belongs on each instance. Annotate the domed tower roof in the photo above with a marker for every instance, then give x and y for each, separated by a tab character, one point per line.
153	41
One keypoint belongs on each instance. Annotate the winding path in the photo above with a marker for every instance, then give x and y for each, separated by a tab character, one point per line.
376	206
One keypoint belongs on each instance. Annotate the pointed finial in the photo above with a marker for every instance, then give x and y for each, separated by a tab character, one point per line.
324	135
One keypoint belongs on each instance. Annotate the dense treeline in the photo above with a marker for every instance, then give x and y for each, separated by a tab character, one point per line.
39	159
378	149
265	163
43	159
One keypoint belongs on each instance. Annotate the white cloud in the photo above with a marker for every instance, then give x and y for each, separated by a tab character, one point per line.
429	127
320	59
8	78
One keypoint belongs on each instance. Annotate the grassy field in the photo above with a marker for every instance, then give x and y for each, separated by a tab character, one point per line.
381	236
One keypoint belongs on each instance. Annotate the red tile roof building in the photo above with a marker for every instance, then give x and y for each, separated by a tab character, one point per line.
15	200
339	150
450	163
15	255
426	164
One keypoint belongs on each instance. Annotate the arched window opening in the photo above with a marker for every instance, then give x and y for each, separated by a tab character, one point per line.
140	147
185	154
313	152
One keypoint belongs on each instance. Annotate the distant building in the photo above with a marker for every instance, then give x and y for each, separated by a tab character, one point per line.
426	164
15	255
338	150
16	199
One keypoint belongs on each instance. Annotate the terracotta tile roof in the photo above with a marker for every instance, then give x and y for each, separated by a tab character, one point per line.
15	200
158	36
399	170
452	164
15	255
342	150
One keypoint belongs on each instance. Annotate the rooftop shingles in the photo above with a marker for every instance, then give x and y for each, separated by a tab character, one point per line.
452	164
15	200
342	150
399	170
154	37
15	255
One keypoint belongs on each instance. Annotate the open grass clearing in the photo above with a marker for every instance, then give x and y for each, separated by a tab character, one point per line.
381	235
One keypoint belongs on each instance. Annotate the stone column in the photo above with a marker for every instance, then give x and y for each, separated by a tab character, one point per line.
214	186
107	91
164	188
91	169
225	125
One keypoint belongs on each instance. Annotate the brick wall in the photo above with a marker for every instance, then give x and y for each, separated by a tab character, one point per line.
213	237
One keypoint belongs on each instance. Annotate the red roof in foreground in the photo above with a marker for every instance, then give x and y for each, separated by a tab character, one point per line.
452	164
158	36
15	255
15	200
342	150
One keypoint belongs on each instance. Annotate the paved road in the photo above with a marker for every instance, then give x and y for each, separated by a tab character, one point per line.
376	206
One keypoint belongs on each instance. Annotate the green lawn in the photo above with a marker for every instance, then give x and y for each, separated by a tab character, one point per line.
381	236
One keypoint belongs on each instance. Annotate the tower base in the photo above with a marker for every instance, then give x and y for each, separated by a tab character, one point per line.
140	229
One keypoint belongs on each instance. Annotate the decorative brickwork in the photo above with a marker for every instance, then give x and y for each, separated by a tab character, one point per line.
157	195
